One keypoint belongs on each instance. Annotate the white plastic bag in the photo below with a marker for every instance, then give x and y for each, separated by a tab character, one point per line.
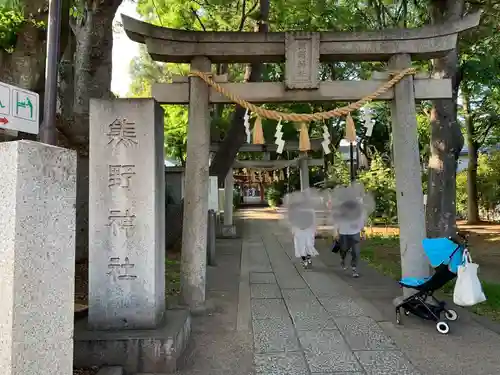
468	290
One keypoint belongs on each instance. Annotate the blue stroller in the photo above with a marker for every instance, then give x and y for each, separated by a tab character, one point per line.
445	255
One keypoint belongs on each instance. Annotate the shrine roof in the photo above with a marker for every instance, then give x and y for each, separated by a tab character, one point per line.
173	45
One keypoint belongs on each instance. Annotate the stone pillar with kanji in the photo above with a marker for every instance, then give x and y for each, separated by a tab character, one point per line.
126	215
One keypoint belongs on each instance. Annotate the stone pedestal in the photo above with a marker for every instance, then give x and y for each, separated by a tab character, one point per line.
37	258
126	215
194	230
410	198
304	173
149	351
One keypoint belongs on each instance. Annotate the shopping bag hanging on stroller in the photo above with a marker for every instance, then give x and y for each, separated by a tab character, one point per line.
445	256
468	290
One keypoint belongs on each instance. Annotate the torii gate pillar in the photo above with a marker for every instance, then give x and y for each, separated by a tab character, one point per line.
304	172
409	193
194	229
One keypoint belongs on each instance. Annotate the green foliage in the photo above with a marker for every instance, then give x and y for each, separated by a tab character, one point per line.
214	15
381	182
146	72
236	198
274	193
424	136
338	172
11	21
488	184
176	120
319	15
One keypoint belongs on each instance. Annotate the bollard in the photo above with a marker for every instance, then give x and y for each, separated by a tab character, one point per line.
211	235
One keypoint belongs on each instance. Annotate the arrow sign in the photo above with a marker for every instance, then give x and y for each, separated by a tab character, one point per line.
19	109
25	104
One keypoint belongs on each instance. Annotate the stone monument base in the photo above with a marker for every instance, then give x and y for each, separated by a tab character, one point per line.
137	351
228	231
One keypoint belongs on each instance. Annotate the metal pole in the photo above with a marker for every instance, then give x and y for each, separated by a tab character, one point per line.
48	126
351	151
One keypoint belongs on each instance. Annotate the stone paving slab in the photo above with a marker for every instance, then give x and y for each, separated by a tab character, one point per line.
265	291
304	323
302	295
274	335
281	364
262	278
326	351
321	284
339	307
309	315
364	333
268	309
386	363
290	281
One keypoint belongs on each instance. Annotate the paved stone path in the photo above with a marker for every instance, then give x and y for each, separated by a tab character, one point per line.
269	316
304	321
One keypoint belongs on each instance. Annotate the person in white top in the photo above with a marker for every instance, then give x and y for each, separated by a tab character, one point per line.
304	231
348	233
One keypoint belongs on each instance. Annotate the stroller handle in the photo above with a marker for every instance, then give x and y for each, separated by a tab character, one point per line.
460	238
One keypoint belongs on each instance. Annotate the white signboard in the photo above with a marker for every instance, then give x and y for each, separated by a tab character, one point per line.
213	194
19	109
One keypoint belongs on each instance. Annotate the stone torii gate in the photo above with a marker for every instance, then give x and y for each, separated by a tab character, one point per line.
302	53
303	163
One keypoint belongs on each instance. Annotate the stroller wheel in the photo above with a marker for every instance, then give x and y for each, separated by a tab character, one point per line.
451	315
398	316
443	327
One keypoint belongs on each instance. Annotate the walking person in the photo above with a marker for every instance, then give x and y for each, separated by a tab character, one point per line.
301	217
349	235
303	241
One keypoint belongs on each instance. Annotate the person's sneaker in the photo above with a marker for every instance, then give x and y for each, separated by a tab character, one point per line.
309	261
305	263
342	264
355	272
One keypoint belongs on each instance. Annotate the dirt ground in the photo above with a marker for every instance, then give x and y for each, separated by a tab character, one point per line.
484	246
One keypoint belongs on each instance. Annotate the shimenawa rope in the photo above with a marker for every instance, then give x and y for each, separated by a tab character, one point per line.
303	117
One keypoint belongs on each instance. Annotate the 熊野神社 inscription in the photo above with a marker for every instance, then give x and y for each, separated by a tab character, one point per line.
121	133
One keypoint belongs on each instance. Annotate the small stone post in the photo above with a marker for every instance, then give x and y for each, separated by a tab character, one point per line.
304	172
410	198
228	229
228	198
194	230
126	215
211	237
37	258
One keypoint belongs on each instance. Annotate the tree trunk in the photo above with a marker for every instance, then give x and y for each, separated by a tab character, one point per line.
92	79
472	206
235	137
25	66
229	147
446	137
